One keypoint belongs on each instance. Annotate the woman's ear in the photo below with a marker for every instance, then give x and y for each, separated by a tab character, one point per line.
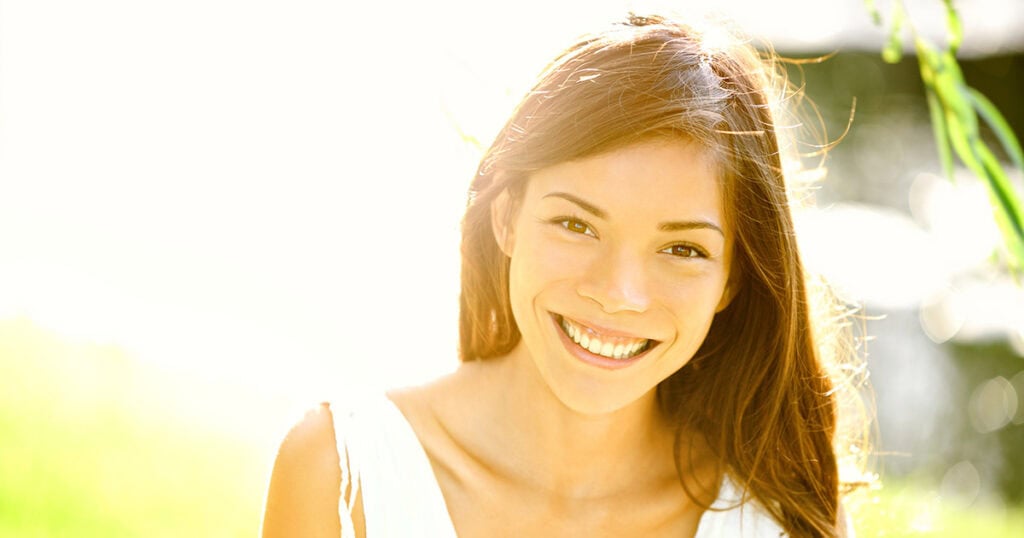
728	295
502	216
732	287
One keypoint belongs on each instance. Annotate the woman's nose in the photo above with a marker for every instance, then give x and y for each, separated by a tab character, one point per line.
617	283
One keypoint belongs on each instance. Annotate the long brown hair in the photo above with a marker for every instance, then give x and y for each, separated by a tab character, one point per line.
757	390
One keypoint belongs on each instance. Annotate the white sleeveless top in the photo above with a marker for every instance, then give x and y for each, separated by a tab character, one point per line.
402	499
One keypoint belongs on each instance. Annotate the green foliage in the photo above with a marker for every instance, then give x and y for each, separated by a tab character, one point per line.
93	443
956	30
876	16
999	126
954	108
893	51
909	509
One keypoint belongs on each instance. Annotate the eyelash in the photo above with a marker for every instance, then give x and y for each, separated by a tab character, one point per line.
696	251
567	222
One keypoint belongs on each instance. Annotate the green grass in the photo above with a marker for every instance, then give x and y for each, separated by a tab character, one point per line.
95	443
898	509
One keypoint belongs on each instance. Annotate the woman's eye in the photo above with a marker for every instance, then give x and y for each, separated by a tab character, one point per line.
577	226
685	251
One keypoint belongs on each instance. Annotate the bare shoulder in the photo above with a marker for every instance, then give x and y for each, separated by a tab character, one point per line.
305	486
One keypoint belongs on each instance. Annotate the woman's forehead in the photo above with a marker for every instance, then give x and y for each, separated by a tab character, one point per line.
669	175
665	166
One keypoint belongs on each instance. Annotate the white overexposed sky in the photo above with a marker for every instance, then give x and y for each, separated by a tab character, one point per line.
268	192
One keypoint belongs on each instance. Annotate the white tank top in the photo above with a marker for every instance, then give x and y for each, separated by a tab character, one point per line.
402	499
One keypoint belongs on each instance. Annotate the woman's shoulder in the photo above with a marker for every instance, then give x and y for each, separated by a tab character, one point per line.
312	436
304	490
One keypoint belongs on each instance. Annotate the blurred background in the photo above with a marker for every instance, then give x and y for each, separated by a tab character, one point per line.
216	213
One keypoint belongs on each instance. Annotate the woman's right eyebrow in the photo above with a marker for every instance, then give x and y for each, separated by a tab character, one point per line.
585	205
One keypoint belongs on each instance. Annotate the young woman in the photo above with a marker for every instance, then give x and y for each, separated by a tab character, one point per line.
638	353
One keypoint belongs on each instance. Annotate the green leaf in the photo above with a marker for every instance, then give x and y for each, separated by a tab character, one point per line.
876	16
1003	189
893	51
953	25
952	91
923	47
999	125
1009	212
940	132
963	142
927	60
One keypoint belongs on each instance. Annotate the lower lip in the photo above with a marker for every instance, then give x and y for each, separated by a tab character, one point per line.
594	360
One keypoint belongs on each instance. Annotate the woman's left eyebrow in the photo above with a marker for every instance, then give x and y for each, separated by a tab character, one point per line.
675	226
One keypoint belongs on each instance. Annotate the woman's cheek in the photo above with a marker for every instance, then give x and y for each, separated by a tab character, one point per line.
560	259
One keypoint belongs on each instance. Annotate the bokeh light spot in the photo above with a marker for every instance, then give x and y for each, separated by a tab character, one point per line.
993	404
941	316
1018	385
960	485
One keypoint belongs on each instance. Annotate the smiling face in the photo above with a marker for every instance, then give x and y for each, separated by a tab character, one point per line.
619	263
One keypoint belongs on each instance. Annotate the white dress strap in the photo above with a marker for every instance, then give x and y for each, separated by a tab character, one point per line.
387	464
734	515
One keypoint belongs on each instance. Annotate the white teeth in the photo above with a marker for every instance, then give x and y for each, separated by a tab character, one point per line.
597	347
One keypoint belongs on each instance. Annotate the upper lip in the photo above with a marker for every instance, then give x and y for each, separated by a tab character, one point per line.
604	331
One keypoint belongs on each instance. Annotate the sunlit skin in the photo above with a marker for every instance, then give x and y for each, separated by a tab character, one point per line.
634	243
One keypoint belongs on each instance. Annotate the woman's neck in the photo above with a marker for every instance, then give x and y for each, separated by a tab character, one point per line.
525	434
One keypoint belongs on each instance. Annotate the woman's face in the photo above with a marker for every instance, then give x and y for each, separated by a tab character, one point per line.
619	262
